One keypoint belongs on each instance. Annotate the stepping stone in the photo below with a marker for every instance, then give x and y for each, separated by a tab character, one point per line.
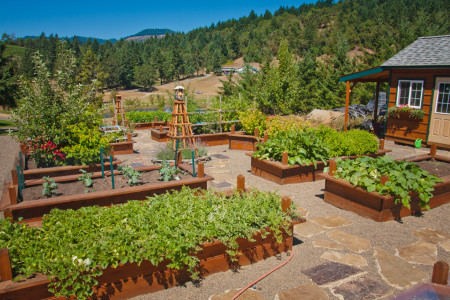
352	242
302	212
249	294
446	246
327	244
136	165
330	222
397	272
362	288
419	253
220	156
431	235
308	291
330	272
308	229
223	184
346	259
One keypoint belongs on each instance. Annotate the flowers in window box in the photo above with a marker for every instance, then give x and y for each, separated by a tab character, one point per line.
404	110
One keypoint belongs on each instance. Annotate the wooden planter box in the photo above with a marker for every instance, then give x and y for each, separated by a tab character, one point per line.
284	174
406	130
380	208
160	135
148	125
131	280
243	142
32	211
122	147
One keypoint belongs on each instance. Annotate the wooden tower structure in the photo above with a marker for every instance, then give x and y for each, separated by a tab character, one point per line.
118	111
180	127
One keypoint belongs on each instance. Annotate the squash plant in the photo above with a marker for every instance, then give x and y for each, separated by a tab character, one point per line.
404	177
73	247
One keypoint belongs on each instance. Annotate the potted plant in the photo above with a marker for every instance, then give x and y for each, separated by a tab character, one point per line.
406	112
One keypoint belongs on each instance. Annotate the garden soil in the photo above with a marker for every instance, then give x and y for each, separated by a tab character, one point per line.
438	168
99	184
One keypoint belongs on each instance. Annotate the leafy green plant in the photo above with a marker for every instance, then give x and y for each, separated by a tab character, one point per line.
167	152
350	143
251	120
86	178
130	173
275	124
404	177
50	187
168	173
73	247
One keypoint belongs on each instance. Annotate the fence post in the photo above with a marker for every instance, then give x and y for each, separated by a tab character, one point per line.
285	158
5	265
241	183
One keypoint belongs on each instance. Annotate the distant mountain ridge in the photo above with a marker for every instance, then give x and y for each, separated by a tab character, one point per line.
148	33
82	39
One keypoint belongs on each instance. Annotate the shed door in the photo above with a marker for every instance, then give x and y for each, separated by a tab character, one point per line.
440	113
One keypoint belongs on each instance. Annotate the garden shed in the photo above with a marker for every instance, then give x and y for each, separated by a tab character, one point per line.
419	80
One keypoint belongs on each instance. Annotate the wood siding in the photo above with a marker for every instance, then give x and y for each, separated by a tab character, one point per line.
408	131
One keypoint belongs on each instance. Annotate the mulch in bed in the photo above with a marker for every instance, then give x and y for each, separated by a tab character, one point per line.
438	168
99	184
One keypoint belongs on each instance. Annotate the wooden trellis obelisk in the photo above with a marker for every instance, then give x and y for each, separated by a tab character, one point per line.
118	111
180	127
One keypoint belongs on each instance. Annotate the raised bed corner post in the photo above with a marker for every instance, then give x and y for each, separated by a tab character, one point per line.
285	158
381	145
440	273
201	169
241	184
285	203
5	265
332	167
112	170
256	132
384	179
266	137
193	163
233	128
102	163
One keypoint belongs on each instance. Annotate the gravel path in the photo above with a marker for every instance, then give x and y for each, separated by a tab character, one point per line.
308	197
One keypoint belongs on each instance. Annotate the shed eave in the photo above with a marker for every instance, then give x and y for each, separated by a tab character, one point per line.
361	74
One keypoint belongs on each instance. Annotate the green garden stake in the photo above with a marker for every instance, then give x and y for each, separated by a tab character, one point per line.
101	160
19	178
112	170
176	152
21	168
193	164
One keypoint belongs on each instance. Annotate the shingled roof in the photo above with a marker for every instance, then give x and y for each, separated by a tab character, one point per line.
425	51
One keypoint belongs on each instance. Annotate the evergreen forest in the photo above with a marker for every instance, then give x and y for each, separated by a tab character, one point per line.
302	51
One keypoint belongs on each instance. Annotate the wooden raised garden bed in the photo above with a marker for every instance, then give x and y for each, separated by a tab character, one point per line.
380	208
131	280
160	133
148	125
33	210
125	147
282	173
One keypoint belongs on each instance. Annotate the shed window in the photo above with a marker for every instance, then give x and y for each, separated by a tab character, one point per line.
410	93
443	101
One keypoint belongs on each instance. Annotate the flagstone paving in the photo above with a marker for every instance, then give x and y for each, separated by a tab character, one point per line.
396	271
327	244
362	288
419	253
432	235
352	242
445	246
330	222
330	272
346	259
308	291
308	229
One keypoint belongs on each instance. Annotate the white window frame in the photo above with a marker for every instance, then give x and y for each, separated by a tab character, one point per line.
410	90
437	99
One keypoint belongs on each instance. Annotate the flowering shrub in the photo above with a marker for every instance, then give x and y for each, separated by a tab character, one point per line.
414	113
275	124
45	153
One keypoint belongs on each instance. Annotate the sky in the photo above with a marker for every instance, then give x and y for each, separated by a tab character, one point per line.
117	19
